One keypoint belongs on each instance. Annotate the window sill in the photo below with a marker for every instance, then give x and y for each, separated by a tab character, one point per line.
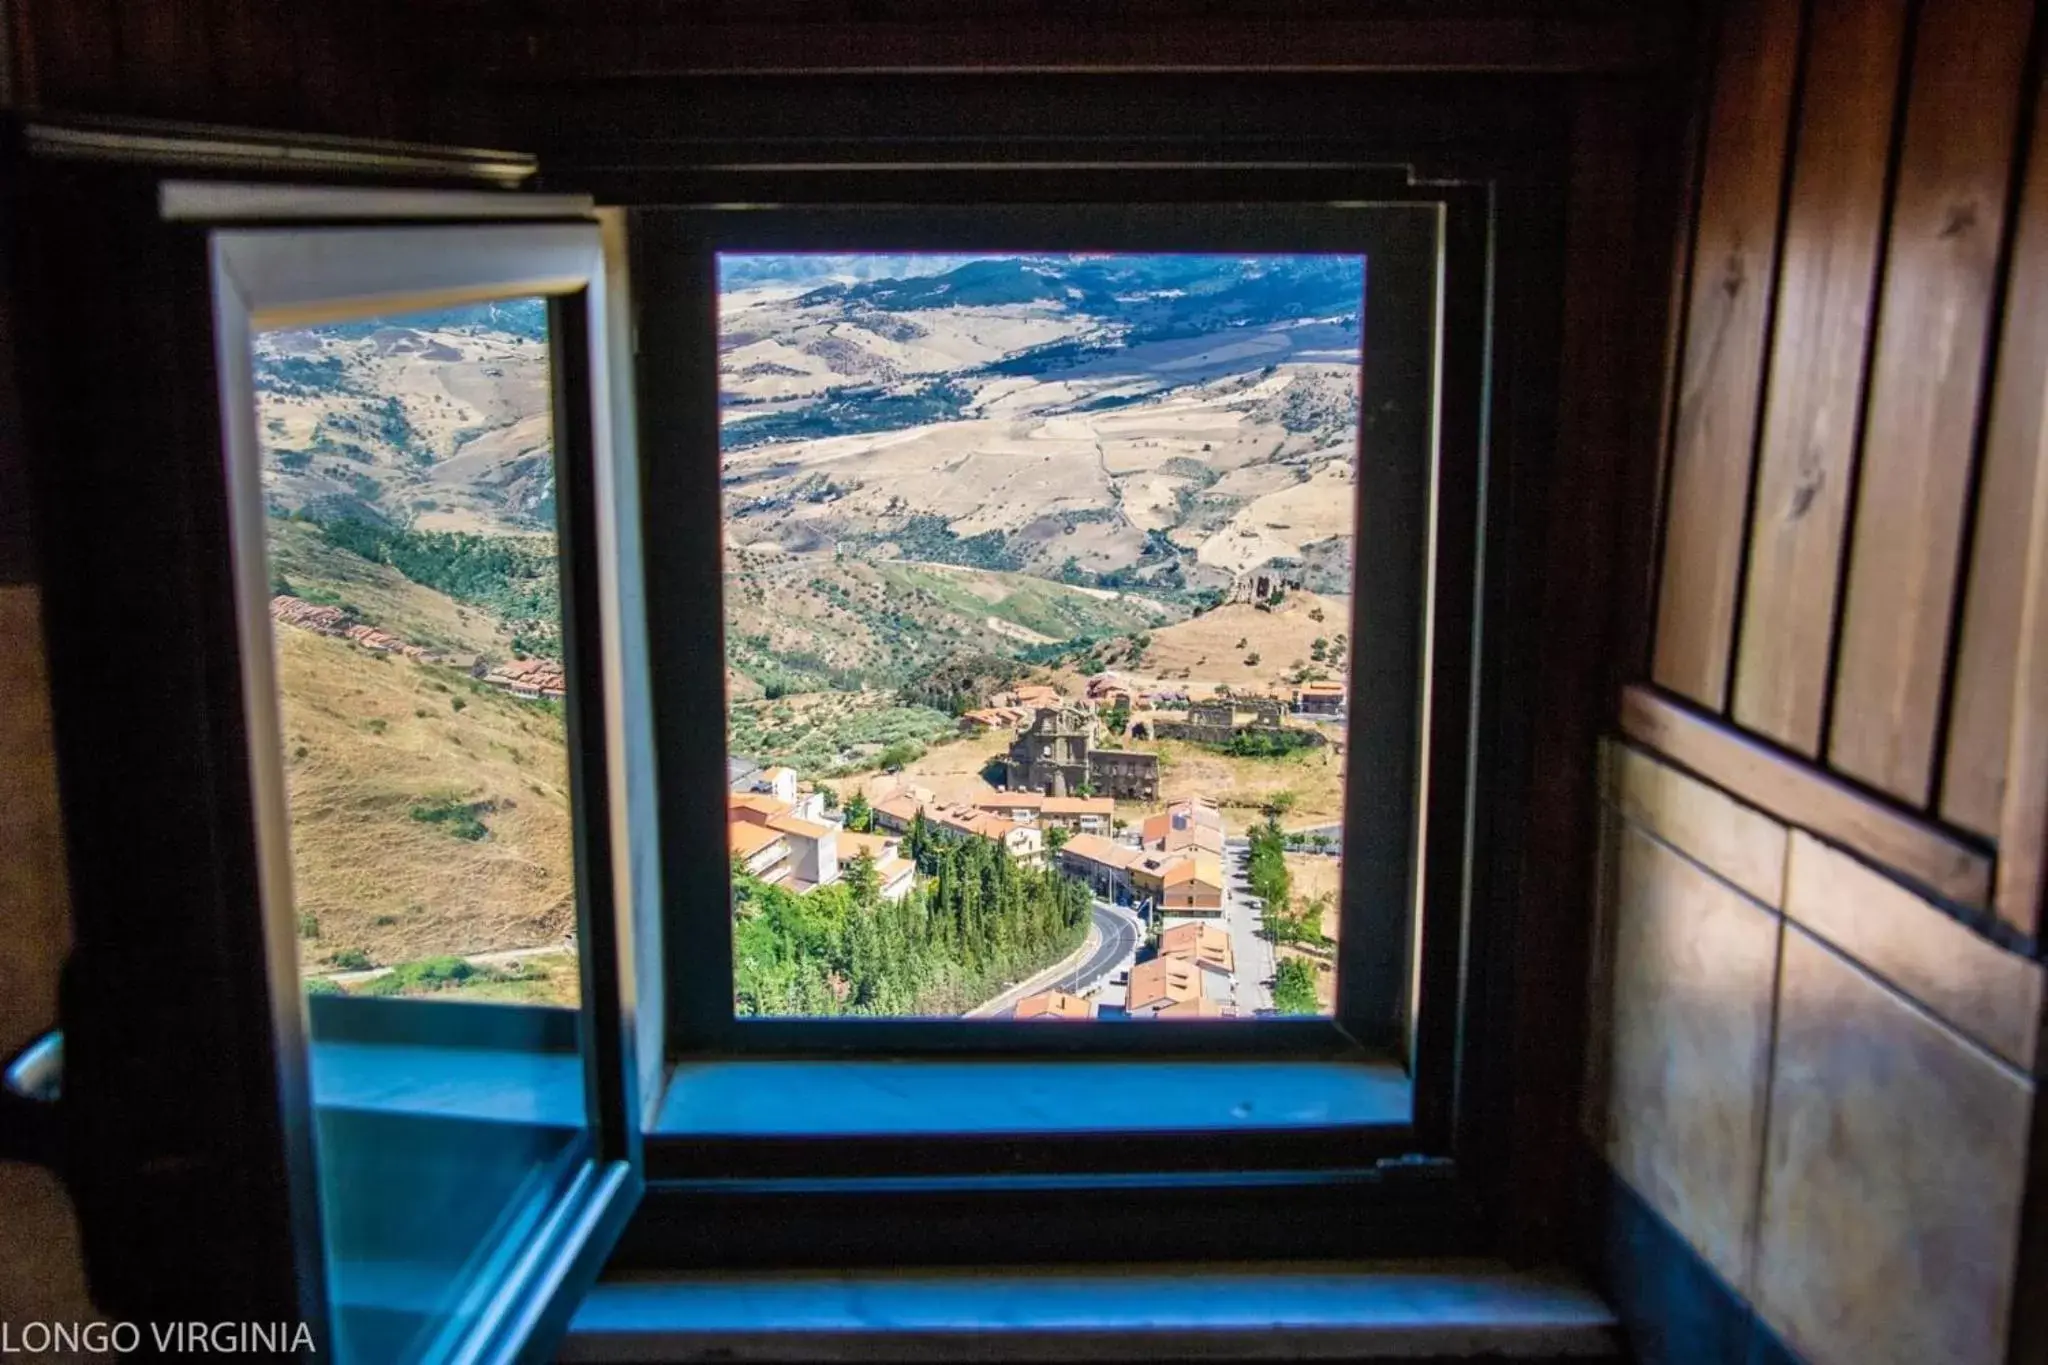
484	1084
857	1099
1387	1310
866	1099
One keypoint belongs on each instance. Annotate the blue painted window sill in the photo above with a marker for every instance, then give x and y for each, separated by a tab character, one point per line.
1451	1309
872	1098
785	1099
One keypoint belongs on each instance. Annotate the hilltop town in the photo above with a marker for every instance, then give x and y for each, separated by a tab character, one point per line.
1187	921
1022	555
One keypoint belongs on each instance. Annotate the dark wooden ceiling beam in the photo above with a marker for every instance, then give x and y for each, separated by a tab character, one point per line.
549	49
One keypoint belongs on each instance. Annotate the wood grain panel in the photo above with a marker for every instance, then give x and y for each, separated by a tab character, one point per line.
2022	891
1980	720
1834	226
1728	316
65	51
1740	846
1988	992
163	56
582	45
1801	794
1948	215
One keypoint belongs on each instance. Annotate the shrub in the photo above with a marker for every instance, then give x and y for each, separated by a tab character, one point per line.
430	974
459	818
1294	987
351	960
309	925
457	703
1268	743
320	985
901	754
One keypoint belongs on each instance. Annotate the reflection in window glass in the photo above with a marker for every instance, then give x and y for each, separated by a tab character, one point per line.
409	482
409	476
1037	612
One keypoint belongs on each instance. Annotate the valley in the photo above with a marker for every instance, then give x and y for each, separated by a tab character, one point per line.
942	478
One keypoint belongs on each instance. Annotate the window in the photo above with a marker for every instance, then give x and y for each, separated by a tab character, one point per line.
975	500
413	468
556	714
1073	612
409	488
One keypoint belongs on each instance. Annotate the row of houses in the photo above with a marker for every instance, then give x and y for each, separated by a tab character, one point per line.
530	678
782	843
1177	865
333	621
1075	814
896	814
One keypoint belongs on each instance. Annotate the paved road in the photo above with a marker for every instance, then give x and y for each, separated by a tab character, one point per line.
1254	954
1112	934
1119	933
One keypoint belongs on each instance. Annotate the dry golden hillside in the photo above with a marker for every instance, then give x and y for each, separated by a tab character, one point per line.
303	561
1205	650
393	766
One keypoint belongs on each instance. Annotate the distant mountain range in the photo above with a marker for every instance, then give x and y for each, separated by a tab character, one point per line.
1135	298
812	268
1141	424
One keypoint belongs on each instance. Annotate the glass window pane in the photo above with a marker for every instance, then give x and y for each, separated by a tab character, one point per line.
409	481
1037	610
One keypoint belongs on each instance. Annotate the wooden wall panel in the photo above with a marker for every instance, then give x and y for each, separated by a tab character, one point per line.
1926	381
1806	796
1981	714
2022	886
1834	229
1728	316
1893	635
358	68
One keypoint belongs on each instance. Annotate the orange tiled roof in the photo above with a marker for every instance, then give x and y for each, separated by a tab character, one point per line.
1053	1005
747	840
1203	944
1096	849
756	808
1162	979
1079	805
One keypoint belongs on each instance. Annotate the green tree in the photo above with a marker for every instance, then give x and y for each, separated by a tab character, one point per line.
860	816
1056	837
863	884
1266	868
1294	987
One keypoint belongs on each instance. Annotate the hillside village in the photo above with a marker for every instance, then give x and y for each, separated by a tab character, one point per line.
533	678
1023	558
1163	880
